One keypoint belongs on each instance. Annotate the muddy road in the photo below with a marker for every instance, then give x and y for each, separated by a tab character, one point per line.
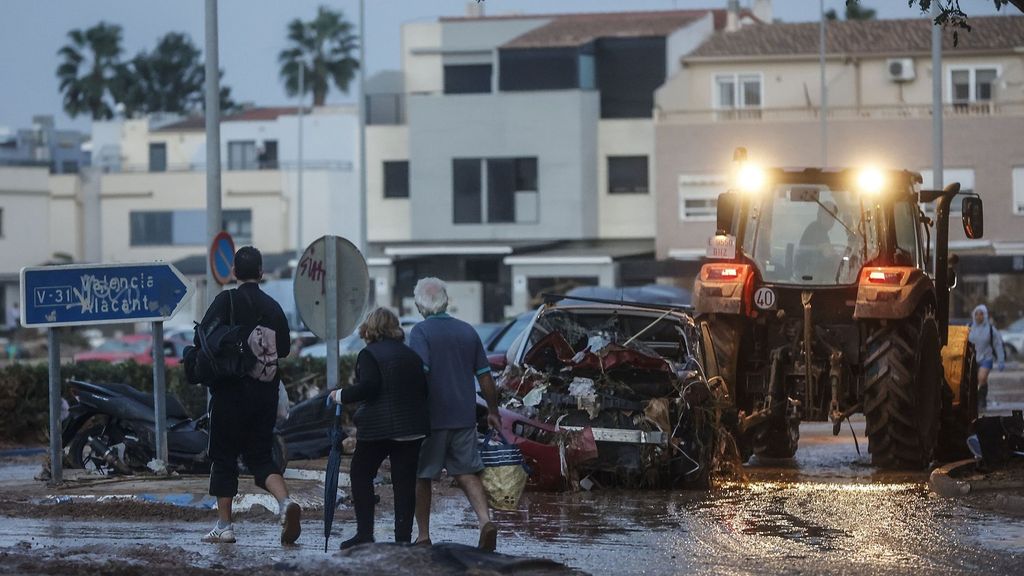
825	512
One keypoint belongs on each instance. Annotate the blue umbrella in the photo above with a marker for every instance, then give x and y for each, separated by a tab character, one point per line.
333	468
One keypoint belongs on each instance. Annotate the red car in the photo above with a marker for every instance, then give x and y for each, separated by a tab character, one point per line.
136	347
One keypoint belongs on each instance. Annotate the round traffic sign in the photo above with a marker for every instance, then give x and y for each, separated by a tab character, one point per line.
764	298
222	257
310	286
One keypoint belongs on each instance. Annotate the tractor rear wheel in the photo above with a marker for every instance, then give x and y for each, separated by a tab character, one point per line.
903	391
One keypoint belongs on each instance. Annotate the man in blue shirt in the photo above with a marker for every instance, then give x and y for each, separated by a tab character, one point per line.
454	359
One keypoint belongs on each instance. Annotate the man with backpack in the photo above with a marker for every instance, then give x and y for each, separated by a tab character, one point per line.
250	332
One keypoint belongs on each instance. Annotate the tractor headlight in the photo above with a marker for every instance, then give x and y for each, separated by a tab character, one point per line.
750	178
870	180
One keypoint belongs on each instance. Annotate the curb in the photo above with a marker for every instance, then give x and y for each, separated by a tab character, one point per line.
21	452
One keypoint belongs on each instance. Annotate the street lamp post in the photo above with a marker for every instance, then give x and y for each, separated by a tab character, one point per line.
298	212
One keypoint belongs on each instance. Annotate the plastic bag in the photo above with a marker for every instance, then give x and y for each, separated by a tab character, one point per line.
504	476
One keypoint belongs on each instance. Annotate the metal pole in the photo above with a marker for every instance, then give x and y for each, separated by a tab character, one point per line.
299	246
937	176
363	246
56	450
331	310
214	220
824	86
160	392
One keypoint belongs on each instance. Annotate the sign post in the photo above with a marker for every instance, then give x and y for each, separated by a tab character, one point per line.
56	450
81	295
331	289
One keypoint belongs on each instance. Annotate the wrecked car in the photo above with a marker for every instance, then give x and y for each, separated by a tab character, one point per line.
603	393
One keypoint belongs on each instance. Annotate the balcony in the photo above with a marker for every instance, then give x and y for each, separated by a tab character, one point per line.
284	165
887	112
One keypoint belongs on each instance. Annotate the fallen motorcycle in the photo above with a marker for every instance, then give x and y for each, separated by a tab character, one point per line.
111	428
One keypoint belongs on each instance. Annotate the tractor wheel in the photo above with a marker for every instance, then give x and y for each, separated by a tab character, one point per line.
780	435
903	391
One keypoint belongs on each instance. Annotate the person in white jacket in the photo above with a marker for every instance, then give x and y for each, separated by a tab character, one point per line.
988	349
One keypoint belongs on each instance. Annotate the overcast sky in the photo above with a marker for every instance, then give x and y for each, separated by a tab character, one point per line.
252	32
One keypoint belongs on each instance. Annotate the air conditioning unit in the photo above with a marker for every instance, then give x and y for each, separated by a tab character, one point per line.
900	69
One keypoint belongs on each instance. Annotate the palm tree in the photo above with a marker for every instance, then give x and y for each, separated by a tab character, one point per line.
171	78
88	68
323	48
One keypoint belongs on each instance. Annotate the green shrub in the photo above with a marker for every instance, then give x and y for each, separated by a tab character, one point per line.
24	388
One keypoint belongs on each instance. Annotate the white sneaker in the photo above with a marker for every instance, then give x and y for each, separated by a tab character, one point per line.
220	535
290	525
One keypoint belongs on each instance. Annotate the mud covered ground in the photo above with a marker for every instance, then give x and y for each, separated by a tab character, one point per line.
826	512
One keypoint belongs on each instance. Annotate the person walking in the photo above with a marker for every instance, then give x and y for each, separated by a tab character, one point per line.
454	359
243	410
391	422
988	349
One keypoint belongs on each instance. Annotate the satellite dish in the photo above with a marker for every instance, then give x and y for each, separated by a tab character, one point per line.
310	286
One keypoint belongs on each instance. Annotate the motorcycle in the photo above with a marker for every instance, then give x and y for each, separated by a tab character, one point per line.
111	429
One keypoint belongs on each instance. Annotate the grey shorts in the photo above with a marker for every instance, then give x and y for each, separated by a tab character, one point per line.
454	450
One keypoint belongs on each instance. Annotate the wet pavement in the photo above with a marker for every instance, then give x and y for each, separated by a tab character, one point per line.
827	511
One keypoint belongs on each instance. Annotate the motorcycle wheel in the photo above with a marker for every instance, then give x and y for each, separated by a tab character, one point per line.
81	454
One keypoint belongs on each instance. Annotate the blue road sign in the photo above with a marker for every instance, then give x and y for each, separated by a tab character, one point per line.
222	257
101	294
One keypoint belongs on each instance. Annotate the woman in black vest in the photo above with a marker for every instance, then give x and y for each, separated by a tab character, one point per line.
391	422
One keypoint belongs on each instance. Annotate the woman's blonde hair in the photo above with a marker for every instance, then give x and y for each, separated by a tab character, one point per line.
381	323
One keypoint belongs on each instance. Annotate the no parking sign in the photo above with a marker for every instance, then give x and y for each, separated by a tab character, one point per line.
222	257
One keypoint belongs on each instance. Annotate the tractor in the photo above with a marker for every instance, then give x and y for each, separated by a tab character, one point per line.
820	300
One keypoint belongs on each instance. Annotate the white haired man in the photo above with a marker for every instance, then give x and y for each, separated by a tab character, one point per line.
454	359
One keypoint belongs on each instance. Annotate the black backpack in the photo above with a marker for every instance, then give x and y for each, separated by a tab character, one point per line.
223	355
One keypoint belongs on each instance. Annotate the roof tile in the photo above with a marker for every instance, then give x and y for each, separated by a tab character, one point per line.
861	37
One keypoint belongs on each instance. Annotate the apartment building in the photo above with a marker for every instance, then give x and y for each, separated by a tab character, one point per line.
759	87
515	153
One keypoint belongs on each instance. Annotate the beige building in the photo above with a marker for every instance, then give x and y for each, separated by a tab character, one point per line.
759	87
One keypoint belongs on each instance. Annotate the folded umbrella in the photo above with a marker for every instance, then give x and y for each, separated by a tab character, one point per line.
333	468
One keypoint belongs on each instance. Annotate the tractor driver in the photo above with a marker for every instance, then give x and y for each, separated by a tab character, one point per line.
815	253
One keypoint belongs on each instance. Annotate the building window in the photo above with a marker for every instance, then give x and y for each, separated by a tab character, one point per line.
167	228
268	155
698	196
157	157
242	155
1018	191
511	190
965	176
467	79
968	85
396	179
467	204
539	69
738	96
151	228
627	175
238	223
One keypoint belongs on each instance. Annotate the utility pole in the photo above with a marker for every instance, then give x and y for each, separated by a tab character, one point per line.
299	246
824	85
937	108
363	242
214	221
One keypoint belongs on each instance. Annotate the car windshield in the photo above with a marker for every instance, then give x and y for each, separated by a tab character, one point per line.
809	234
